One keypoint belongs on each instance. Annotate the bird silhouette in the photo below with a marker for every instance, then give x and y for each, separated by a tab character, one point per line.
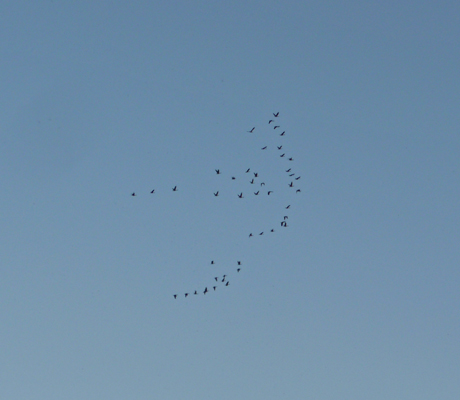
252	130
174	189
214	287
256	193
276	126
276	114
262	183
227	283
291	174
175	296
297	178
205	290
272	230
286	217
288	206
238	269
250	234
216	194
248	170
261	233
153	191
212	262
269	122
263	148
283	223
133	194
282	134
217	171
256	174
239	262
240	195
195	292
233	178
216	278
280	147
291	184
270	191
297	191
288	170
186	294
291	159
251	181
282	155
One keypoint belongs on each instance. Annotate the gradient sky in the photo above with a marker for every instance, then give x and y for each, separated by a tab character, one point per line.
357	299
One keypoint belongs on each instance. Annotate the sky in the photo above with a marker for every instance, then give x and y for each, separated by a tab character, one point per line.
357	298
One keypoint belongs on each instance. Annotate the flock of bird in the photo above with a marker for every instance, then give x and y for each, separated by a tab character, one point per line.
254	179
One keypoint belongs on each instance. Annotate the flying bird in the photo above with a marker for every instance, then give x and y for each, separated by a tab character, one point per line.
195	292
282	134
240	195
217	171
212	262
276	114
263	148
282	155
239	262
291	159
175	296
297	191
133	194
186	294
227	283
288	206
174	189
286	217
272	230
252	130
288	170
216	278
248	170
256	174
238	269
233	178
262	183
153	191
251	181
205	290
297	178
256	193
261	233
250	234
214	287
280	147
269	122
276	126
216	194
270	191
291	184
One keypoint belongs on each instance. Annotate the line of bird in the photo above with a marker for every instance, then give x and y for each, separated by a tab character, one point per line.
214	286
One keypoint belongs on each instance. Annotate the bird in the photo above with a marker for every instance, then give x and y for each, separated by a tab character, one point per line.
217	171
240	195
276	126
252	130
216	278
256	174
288	206
280	147
282	134
251	181
227	283
263	148
239	262
195	292
223	279
270	191
174	189
205	290
233	178
288	170
250	234
212	262
238	269
186	294
269	122
256	193
262	183
291	184
214	287
153	191
283	223
216	194
297	178
175	296
297	191
133	194
286	217
291	174
248	170
261	233
291	159
282	155
272	230
276	114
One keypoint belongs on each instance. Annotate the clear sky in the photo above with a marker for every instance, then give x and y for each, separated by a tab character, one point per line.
357	298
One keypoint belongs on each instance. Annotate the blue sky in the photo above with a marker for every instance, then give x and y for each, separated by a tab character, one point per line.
356	299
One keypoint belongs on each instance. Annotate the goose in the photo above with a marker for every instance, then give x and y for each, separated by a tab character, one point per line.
174	189
276	114
263	148
217	171
256	193
240	195
216	194
282	134
153	191
252	130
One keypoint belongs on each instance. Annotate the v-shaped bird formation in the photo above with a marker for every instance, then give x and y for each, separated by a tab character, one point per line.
283	159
